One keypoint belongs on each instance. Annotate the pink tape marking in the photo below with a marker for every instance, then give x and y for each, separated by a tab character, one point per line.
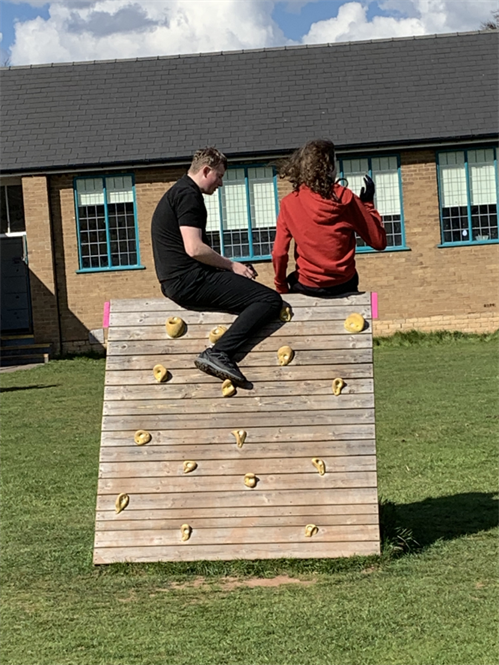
105	318
374	304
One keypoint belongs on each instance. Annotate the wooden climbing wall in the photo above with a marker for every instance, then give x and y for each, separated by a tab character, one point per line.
290	415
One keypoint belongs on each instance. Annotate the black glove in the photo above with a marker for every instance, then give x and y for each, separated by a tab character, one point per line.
367	193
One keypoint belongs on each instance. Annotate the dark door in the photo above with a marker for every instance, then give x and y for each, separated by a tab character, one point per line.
15	315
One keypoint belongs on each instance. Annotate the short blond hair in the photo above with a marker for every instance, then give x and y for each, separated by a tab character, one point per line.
208	156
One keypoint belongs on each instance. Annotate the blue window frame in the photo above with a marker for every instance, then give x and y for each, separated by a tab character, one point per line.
106	221
242	214
468	192
385	171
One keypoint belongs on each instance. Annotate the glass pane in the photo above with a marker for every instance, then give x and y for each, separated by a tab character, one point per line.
122	234
482	177
484	222
16	208
119	189
212	203
234	205
455	224
453	179
387	193
354	171
93	246
4	220
90	191
262	197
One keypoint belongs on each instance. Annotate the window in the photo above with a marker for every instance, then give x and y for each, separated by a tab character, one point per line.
106	219
468	196
385	171
11	210
242	214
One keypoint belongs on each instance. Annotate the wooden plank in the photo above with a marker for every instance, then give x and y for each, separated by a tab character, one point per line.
301	419
266	435
239	522
129	452
239	403
158	318
309	550
294	299
267	482
265	389
294	497
161	344
271	331
259	466
141	377
118	359
264	512
244	536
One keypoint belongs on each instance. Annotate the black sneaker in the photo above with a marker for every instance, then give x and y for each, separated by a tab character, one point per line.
219	364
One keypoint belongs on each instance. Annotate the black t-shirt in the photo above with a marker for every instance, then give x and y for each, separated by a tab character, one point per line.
181	205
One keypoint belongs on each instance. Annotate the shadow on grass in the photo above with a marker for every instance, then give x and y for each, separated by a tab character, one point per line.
37	387
413	527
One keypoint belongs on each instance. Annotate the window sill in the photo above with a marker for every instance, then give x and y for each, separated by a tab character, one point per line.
468	243
368	250
113	269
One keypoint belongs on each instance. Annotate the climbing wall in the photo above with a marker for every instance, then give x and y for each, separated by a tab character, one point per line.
176	454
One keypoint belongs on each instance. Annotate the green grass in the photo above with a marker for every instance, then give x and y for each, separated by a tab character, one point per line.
430	599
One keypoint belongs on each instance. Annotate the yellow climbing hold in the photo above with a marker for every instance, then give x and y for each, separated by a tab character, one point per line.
338	385
175	326
355	323
160	373
228	388
142	437
185	531
286	313
319	465
250	480
189	466
121	502
311	530
240	435
285	355
216	333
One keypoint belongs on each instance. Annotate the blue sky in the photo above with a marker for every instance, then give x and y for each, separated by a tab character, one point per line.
74	30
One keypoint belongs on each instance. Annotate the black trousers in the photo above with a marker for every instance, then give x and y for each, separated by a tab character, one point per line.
352	286
224	291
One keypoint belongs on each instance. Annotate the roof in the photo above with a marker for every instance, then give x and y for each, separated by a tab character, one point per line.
267	101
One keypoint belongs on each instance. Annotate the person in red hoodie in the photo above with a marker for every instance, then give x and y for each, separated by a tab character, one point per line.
322	217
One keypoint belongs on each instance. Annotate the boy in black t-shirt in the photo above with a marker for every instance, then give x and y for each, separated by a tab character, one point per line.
196	277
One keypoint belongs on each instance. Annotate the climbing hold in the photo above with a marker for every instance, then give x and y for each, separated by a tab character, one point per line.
285	355
311	530
355	323
250	480
286	313
175	326
142	437
227	388
338	385
186	531
240	435
216	333
319	465
160	373
189	466
121	502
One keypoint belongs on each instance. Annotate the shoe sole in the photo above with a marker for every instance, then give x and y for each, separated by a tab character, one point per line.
208	368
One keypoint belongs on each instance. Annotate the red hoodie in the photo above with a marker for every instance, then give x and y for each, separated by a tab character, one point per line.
324	234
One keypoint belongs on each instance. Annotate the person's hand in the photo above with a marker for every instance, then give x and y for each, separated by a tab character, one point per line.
367	193
244	270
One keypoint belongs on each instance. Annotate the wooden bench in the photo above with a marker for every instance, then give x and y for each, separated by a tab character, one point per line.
290	415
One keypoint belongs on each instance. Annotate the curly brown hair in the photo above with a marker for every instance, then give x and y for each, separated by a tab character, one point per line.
312	165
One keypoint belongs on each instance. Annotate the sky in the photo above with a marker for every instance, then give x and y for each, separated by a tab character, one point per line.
37	32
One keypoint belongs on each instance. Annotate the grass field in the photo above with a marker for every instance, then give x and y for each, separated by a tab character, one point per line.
430	599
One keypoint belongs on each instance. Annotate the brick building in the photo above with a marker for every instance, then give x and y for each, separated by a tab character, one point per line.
89	148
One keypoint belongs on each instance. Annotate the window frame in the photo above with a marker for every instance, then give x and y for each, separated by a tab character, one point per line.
252	256
110	268
389	248
465	243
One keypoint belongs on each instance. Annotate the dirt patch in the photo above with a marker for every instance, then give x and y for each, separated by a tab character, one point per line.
228	583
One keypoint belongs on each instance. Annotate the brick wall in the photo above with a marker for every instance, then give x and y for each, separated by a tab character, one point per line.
41	261
425	287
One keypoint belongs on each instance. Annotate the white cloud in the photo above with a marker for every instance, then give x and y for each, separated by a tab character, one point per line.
410	17
106	29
